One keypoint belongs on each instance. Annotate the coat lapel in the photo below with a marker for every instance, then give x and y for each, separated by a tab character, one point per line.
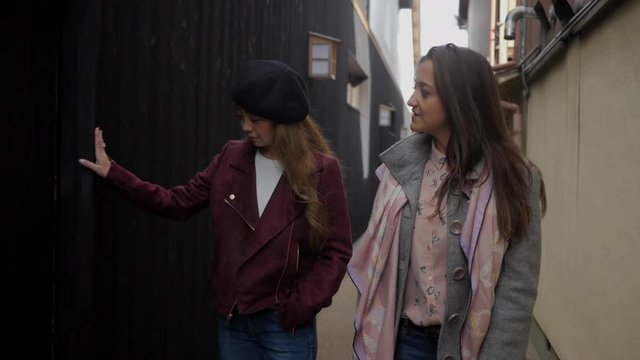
280	212
405	160
244	185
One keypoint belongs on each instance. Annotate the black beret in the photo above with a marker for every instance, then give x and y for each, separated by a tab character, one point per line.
272	90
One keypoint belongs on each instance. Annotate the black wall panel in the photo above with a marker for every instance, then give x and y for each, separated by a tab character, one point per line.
31	40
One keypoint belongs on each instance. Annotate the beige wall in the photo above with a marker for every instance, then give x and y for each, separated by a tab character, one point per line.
583	130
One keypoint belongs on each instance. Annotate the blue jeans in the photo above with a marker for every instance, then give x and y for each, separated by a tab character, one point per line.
260	336
413	344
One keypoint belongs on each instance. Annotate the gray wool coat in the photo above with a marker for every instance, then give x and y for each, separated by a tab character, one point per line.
516	291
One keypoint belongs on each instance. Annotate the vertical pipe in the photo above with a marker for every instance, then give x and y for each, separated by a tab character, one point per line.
523	39
415	20
492	33
504	44
516	128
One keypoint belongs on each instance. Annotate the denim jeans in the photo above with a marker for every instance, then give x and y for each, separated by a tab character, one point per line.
413	344
260	336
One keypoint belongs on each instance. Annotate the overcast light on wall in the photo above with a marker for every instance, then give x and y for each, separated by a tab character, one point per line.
438	26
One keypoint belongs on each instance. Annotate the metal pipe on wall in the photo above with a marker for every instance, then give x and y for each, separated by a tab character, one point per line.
513	16
516	127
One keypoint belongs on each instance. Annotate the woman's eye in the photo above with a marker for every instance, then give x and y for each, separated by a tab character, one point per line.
423	92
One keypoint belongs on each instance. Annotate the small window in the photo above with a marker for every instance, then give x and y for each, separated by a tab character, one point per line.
353	96
322	56
355	77
385	115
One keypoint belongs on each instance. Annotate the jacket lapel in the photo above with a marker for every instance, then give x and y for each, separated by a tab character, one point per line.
280	212
244	185
473	177
405	161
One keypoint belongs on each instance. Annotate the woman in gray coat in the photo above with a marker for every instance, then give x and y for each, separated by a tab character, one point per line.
448	267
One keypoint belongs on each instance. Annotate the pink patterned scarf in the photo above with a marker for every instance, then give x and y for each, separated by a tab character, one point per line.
373	269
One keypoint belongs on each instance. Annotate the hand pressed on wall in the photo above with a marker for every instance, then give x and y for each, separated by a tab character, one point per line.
103	163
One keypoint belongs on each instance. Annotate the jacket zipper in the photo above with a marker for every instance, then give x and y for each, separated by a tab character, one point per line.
293	331
286	262
230	314
238	212
235	302
297	259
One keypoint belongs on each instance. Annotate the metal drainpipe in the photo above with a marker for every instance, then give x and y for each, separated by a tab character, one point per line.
517	121
493	33
513	16
523	38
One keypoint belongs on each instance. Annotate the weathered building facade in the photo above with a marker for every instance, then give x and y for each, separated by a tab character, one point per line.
574	72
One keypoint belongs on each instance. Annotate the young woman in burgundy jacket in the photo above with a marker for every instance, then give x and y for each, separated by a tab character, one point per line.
282	236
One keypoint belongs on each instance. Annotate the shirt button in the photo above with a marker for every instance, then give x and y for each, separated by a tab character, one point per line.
459	273
453	318
456	227
232	196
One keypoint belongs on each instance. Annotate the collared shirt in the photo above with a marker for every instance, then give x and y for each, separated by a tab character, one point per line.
426	289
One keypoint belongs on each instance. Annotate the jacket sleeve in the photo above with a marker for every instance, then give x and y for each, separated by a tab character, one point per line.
517	289
324	279
180	202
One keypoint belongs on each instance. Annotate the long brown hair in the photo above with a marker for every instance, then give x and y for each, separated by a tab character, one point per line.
296	146
469	93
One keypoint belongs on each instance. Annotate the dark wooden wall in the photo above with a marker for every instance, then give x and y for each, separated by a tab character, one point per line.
31	40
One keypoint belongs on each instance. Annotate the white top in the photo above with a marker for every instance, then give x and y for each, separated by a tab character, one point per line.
268	174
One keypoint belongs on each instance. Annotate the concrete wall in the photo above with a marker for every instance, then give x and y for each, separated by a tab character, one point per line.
384	24
478	25
584	132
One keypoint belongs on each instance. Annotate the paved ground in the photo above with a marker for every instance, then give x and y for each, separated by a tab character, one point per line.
335	324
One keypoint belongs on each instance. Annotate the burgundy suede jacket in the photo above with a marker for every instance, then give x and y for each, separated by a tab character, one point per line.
258	262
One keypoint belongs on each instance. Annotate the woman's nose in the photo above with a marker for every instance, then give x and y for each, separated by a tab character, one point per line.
246	124
411	101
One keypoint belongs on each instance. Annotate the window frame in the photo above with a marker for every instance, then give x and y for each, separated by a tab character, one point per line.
332	43
390	110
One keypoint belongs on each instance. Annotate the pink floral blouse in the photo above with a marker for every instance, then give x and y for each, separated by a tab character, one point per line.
426	290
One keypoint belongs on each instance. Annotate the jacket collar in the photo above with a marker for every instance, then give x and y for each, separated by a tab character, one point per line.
244	158
406	158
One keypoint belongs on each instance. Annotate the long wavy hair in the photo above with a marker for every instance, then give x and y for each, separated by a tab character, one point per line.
468	90
296	146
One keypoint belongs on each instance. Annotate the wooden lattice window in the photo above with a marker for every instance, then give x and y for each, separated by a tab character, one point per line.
322	56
